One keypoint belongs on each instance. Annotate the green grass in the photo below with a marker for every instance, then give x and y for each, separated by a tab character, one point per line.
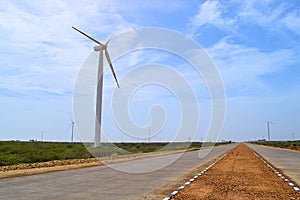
16	152
129	148
12	152
281	144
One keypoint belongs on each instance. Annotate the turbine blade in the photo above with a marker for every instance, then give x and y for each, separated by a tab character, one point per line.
111	66
71	119
109	39
114	32
86	35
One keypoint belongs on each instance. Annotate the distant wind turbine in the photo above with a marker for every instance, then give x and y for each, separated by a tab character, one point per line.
72	129
101	47
269	131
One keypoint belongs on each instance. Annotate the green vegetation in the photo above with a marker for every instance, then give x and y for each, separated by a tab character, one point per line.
129	148
12	152
16	152
162	146
281	144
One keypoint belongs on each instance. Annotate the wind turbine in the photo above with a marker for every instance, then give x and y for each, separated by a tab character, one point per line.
100	47
268	127
72	128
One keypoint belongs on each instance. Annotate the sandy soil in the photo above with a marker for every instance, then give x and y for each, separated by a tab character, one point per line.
43	167
239	175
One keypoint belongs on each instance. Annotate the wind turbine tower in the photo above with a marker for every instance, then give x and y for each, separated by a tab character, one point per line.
268	127
100	48
72	129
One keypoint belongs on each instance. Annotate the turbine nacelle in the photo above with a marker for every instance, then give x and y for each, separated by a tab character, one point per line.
99	48
102	47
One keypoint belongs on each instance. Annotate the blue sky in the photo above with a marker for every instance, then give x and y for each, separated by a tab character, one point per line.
254	44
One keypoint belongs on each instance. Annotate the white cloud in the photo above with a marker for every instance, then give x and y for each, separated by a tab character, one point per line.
37	40
228	17
242	67
210	12
270	15
292	21
261	12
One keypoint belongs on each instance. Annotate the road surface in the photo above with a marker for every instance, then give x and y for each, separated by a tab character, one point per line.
285	160
105	183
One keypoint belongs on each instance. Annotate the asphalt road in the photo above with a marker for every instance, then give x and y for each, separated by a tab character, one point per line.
105	182
285	160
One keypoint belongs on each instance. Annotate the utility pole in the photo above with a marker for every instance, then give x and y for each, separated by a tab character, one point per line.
268	126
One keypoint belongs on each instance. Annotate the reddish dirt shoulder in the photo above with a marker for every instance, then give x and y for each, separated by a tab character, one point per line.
43	167
239	175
